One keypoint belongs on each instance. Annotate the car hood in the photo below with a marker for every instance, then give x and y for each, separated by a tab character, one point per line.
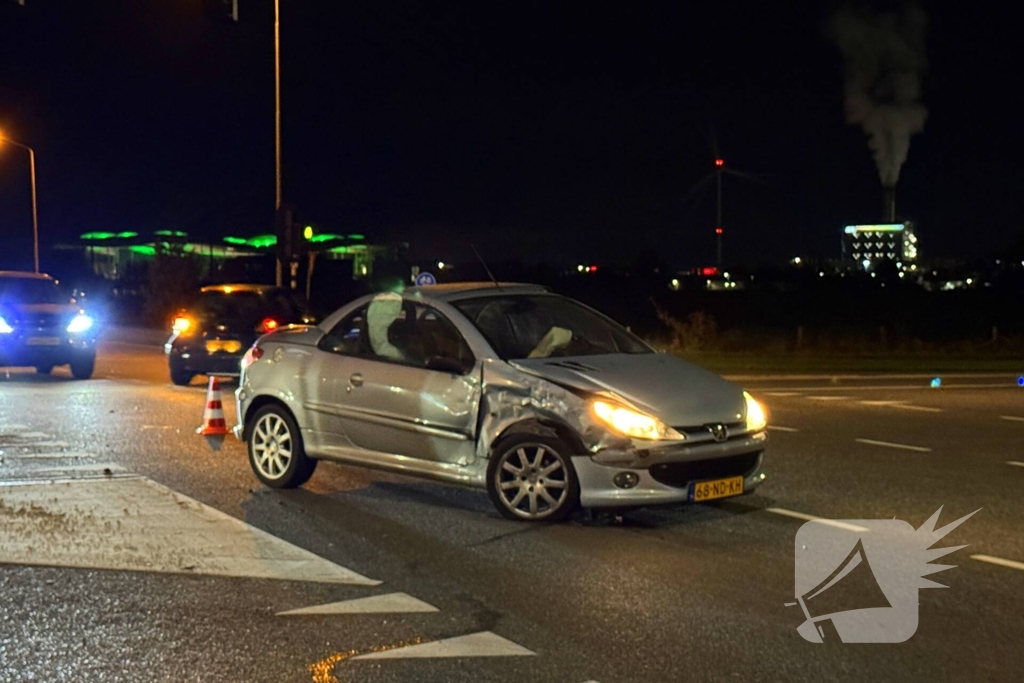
680	394
19	312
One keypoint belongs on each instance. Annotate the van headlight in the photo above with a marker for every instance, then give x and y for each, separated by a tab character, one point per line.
4	327
632	422
80	323
757	418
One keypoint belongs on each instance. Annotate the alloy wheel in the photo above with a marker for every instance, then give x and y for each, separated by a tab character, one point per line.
532	481
272	446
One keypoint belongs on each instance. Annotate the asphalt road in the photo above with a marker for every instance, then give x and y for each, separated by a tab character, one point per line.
132	551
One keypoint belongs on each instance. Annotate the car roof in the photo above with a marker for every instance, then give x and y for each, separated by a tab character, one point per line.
25	274
455	291
230	287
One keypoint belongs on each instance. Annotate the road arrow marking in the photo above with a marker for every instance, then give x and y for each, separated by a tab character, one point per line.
482	644
392	603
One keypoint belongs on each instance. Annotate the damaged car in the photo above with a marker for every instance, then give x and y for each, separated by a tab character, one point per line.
542	401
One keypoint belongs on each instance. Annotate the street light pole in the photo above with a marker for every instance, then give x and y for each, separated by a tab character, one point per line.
277	124
35	208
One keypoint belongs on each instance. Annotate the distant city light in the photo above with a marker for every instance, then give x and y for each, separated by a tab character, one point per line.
797	260
719	162
308	232
718	231
440	265
675	283
580	268
866	263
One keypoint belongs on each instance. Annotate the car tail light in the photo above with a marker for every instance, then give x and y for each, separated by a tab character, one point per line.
251	356
268	325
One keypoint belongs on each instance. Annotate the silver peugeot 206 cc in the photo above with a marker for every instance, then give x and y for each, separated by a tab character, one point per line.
542	401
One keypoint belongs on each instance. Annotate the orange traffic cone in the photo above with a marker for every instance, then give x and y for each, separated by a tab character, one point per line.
213	415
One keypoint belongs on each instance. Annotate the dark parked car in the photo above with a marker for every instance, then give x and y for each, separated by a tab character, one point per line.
42	327
211	337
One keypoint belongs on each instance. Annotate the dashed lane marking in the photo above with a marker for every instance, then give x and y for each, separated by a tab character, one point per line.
828	398
1012	418
811	518
392	603
902	405
889	444
136	524
780	428
482	644
782	394
1011	564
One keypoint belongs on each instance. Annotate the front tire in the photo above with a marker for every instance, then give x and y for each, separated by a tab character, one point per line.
181	376
530	478
276	454
82	367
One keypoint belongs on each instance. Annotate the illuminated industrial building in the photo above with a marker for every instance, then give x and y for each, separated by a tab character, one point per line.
867	247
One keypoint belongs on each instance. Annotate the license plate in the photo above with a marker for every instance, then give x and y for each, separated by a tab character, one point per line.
715	488
43	341
223	346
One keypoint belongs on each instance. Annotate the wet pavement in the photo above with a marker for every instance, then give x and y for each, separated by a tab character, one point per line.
132	551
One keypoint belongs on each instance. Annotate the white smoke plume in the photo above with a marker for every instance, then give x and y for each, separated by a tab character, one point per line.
884	52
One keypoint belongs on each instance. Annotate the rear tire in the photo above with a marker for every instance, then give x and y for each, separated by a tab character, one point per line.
82	368
530	478
276	454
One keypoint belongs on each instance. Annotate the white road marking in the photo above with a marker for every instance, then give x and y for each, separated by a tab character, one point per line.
783	394
889	444
45	456
139	525
38	444
999	561
482	644
811	518
1012	418
33	435
923	409
828	398
1015	463
779	428
392	603
882	387
904	405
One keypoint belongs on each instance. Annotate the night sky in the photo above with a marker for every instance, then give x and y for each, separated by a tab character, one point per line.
558	132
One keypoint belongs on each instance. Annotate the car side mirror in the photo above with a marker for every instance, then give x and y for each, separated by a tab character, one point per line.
446	364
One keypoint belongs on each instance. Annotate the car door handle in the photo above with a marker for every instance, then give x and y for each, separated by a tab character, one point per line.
356	379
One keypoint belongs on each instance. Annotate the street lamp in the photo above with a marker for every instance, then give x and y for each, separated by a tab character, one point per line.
35	211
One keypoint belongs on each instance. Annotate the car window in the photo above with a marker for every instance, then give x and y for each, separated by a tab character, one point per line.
249	306
545	326
394	330
31	290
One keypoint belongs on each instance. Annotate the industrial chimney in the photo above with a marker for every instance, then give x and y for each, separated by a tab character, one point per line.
889	204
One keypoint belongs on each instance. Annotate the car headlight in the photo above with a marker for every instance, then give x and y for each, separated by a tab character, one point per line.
757	418
631	422
80	323
181	324
4	327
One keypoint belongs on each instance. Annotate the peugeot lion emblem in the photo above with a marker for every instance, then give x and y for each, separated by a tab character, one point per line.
718	431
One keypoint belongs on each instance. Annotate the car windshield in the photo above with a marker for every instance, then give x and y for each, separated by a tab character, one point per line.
546	325
30	290
249	306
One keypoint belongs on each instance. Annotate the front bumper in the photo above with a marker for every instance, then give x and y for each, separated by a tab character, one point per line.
17	351
665	474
